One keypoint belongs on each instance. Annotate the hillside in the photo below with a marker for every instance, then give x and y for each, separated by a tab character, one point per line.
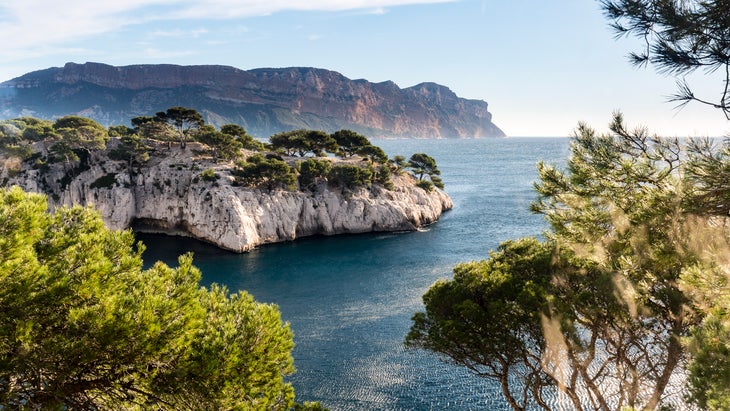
264	101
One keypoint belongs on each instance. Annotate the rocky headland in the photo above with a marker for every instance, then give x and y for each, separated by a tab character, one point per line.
264	101
169	194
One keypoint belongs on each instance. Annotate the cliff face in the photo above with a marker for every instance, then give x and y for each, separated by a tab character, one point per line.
168	195
264	101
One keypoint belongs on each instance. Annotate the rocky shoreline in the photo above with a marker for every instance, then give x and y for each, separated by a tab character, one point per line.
168	195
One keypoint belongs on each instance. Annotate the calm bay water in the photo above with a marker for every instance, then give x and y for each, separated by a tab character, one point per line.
349	299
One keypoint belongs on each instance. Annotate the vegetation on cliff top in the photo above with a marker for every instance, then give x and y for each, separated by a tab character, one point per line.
285	162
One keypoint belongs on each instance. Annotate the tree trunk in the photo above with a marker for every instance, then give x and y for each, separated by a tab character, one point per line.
674	353
504	382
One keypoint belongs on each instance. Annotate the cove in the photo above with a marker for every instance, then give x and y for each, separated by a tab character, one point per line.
349	299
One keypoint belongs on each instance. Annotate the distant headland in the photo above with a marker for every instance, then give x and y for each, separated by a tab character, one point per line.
265	101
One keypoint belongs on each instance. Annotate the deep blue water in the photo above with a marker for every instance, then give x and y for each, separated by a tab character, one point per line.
349	299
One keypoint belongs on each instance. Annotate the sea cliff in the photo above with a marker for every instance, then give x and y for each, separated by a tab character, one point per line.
167	194
265	101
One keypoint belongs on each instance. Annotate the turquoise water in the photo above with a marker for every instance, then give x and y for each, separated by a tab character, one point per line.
349	299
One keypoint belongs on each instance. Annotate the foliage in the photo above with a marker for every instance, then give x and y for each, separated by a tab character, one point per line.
120	131
184	121
12	142
708	173
17	135
349	176
224	146
373	153
81	132
616	308
309	406
289	141
303	142
398	163
75	133
83	326
132	149
681	36
270	172
350	142
619	204
240	134
311	171
488	319
37	130
709	343
382	176
62	152
208	175
422	164
152	128
426	185
320	142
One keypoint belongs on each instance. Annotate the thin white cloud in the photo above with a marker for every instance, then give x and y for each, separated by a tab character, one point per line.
247	8
31	24
179	33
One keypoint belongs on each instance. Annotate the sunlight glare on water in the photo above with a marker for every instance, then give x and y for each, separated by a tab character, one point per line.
349	299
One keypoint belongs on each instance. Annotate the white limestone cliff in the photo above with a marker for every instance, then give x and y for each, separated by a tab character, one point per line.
168	195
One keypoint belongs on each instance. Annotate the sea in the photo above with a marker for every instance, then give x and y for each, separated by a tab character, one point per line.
349	299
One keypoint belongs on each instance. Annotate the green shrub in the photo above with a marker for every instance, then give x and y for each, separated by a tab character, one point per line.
312	170
382	176
269	172
425	184
349	176
209	175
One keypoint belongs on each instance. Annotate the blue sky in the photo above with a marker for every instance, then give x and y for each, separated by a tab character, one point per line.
543	65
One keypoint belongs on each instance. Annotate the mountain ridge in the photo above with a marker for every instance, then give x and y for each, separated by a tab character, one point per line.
263	100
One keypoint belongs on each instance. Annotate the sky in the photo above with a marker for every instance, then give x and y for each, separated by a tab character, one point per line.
542	65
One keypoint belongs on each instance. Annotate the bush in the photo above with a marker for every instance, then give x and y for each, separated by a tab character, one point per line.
312	170
426	185
382	176
209	175
349	176
269	172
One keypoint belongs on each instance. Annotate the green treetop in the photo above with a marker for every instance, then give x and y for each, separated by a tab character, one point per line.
240	134
84	327
269	172
424	165
602	317
350	142
183	121
224	146
303	142
77	133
